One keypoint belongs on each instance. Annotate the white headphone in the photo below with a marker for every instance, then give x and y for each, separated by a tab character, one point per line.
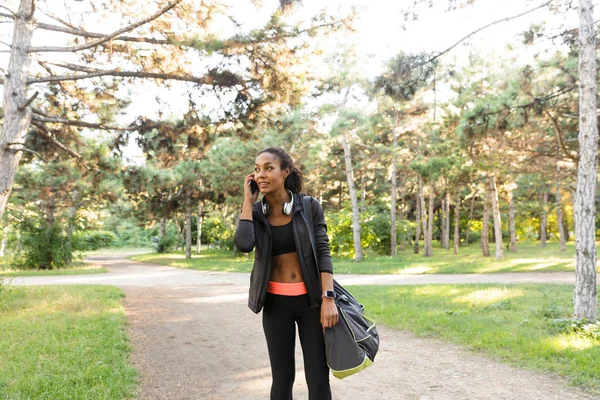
287	208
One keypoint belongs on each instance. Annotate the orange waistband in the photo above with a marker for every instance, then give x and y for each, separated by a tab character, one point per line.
287	289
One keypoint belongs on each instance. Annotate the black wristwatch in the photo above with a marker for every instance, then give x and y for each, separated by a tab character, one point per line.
329	294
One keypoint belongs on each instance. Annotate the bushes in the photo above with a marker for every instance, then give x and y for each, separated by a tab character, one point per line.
167	243
131	235
48	248
94	240
44	247
375	231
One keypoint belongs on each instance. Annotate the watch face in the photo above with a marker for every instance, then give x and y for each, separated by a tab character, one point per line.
330	294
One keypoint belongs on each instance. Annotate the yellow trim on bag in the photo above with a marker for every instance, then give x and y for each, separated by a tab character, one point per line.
347	372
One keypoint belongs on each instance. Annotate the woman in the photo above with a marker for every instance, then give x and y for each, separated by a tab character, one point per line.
289	282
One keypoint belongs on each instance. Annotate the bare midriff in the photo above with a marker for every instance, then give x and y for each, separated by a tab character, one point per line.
285	268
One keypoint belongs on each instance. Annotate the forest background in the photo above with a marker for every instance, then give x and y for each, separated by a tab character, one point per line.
425	128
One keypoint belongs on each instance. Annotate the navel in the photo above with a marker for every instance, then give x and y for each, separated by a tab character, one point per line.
293	276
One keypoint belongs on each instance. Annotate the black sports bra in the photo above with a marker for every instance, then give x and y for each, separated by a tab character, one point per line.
282	241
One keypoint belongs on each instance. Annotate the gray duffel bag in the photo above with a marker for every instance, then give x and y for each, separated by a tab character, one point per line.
352	343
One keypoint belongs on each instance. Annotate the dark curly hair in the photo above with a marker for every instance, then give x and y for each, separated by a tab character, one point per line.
294	180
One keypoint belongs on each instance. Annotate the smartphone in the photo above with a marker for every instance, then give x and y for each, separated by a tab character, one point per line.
254	187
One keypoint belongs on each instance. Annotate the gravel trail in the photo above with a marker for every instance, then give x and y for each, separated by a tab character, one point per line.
195	339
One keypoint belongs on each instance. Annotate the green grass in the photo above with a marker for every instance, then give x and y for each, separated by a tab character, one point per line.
64	342
529	258
208	260
518	324
79	268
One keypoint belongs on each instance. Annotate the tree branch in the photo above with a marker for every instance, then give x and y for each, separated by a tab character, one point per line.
58	19
12	13
22	147
40	116
6	16
28	102
441	53
559	139
72	67
83	33
536	100
225	79
46	132
108	37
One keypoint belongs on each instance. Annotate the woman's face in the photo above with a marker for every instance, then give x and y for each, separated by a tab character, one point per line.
268	173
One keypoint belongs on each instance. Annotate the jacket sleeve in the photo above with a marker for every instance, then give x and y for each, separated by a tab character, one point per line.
244	236
321	239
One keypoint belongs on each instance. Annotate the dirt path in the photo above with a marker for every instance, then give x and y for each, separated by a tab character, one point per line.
194	338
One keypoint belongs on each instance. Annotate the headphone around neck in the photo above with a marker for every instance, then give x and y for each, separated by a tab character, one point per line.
286	208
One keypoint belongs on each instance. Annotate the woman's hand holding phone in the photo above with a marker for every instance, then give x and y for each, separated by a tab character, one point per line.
250	188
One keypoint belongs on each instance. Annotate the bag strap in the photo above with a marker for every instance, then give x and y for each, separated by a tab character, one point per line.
307	203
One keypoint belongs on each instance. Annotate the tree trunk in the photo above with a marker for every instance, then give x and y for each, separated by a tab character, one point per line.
236	219
180	236
363	192
485	224
4	240
456	222
429	237
446	221
559	214
443	222
418	216
358	254
424	222
401	218
497	219
50	211
585	207
470	220
71	223
544	220
394	231
163	227
199	221
511	222
188	225
339	206
16	117
19	246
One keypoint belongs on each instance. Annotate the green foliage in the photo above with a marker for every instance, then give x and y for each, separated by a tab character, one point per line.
43	247
375	231
339	229
214	231
167	243
130	234
581	328
94	240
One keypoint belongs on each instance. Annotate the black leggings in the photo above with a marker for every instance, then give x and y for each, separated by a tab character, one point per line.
280	315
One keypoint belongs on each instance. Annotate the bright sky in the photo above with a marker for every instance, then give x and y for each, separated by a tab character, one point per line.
378	34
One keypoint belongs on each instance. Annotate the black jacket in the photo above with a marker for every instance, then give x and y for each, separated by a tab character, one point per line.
256	234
